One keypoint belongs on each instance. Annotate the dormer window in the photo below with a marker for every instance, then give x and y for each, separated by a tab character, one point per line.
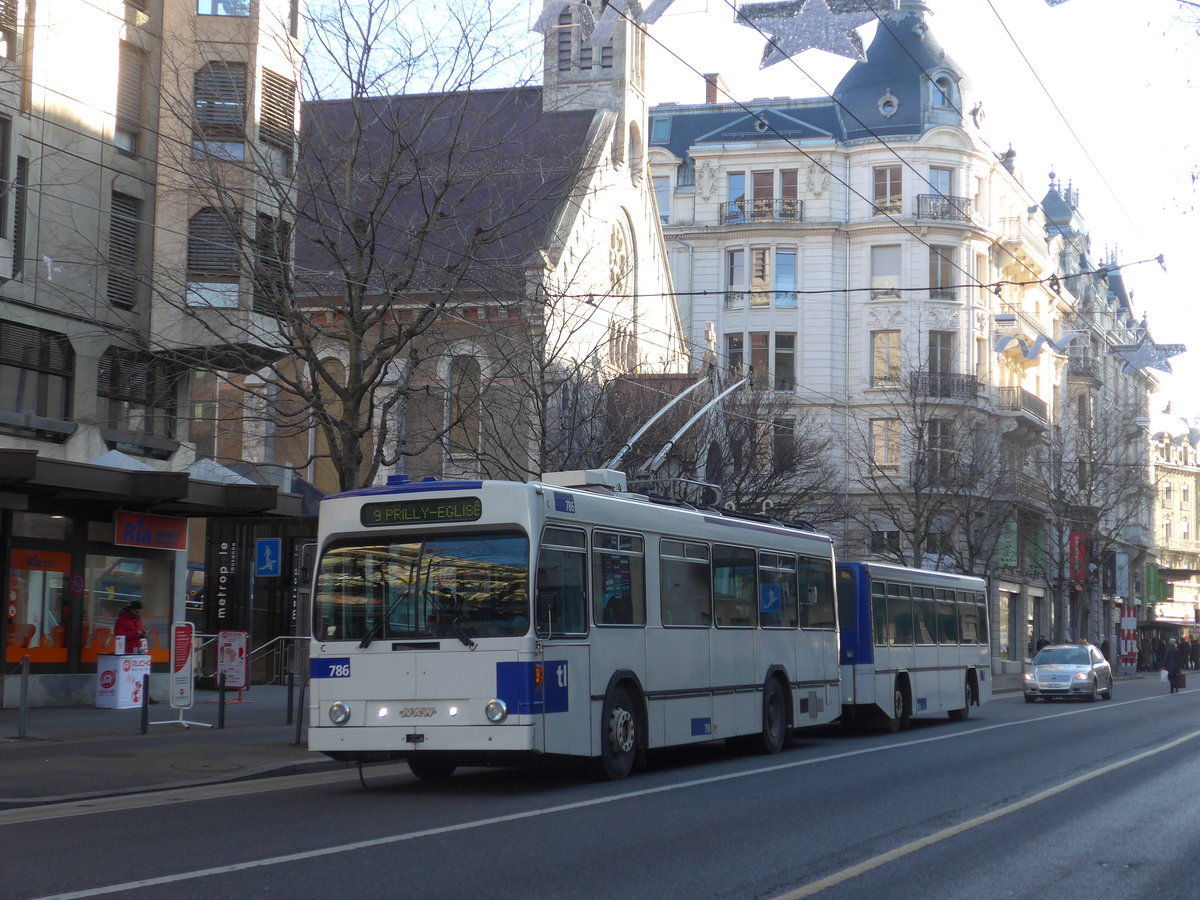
944	92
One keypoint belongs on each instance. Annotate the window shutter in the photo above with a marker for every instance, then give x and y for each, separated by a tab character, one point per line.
212	243
35	348
220	95
8	15
123	230
278	118
131	73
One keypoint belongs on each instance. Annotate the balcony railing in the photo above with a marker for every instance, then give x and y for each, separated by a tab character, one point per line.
1015	399
939	206
1084	367
746	212
945	384
760	299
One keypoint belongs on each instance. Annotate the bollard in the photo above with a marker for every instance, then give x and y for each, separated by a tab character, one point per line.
145	703
291	690
23	720
221	700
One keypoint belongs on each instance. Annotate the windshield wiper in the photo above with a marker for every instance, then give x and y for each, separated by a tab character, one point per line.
375	629
462	634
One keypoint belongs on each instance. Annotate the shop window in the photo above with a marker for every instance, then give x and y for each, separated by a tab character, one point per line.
112	583
37	625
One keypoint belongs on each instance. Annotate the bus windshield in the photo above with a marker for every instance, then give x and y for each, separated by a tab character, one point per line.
465	586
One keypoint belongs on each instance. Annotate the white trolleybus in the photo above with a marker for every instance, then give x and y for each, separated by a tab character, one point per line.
481	622
913	642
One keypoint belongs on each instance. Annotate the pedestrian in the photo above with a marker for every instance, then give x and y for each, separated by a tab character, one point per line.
130	626
1185	653
1104	649
1172	663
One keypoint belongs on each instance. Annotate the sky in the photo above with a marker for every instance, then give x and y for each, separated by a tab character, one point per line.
1117	118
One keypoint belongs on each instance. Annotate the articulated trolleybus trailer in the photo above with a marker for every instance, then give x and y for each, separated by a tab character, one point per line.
914	643
481	622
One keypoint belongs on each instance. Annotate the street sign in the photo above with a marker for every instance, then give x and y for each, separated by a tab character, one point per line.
232	658
181	684
268	557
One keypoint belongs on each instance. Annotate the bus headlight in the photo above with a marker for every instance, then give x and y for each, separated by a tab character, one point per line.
339	713
496	711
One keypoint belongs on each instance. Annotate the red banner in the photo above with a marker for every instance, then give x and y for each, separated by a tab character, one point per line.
1077	547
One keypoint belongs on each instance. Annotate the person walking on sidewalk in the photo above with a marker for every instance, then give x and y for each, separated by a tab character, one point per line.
1172	663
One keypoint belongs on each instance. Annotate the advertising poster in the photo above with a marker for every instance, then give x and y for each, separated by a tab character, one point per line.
182	694
233	658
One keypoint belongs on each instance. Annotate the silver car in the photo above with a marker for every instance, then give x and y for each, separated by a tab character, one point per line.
1061	671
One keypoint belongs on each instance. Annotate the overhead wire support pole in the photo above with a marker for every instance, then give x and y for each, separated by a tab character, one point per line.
657	462
620	454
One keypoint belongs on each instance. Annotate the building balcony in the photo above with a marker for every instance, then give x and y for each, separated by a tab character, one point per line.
947	209
950	385
750	212
235	339
759	299
1014	399
1084	367
1026	239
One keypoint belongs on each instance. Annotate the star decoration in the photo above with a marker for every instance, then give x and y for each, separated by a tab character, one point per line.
802	25
1146	354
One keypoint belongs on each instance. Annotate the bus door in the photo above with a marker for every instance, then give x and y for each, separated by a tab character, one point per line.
560	610
566	699
736	710
902	644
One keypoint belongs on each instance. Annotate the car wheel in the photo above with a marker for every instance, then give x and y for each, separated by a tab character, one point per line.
1108	693
1095	694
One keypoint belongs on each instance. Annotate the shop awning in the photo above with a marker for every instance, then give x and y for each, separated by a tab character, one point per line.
36	483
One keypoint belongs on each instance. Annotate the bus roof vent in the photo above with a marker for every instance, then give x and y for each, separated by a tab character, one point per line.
594	479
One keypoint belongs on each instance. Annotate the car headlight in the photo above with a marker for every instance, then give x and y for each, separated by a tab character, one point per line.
1029	676
496	711
339	713
1082	676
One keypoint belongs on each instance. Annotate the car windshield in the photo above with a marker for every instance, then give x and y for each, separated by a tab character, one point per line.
465	586
1062	656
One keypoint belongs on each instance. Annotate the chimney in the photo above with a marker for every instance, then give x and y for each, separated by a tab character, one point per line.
715	88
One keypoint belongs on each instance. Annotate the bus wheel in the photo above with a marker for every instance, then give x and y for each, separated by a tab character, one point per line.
960	715
619	734
901	719
431	768
774	726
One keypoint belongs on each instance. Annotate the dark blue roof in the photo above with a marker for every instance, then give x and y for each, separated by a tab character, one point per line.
795	120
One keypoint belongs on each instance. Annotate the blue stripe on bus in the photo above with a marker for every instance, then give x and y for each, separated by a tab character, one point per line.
516	685
413	487
329	667
701	727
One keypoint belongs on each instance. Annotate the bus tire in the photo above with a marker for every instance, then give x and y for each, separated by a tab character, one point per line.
961	715
431	768
901	718
774	724
618	734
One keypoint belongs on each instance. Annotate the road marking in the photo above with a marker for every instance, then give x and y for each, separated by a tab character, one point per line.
528	814
937	837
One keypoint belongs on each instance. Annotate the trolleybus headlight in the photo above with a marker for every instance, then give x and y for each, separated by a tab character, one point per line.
496	711
339	713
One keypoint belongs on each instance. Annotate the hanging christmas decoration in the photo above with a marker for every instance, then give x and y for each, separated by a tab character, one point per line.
802	25
1146	354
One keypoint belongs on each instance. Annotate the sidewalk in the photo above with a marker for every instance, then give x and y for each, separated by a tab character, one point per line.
76	752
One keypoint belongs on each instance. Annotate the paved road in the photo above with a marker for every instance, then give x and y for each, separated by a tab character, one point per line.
1014	800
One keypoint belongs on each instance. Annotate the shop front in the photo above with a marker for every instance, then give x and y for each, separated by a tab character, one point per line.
78	543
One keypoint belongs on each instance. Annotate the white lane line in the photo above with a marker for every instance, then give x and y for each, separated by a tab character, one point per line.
543	811
883	859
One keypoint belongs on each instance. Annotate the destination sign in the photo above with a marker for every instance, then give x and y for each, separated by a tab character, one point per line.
422	512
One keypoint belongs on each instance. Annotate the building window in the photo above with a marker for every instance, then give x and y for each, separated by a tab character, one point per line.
463	421
885	536
213	259
941	181
941	353
941	453
124	245
735	279
885	359
785	361
760	348
36	371
272	241
789	203
943	92
20	207
141	392
1183	500
662	197
1166	493
219	128
131	75
885	272
277	121
982	276
1166	530
763	185
888	198
783	443
736	214
223	7
735	346
8	29
606	56
564	41
660	130
785	279
942	266
885	444
760	276
5	150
